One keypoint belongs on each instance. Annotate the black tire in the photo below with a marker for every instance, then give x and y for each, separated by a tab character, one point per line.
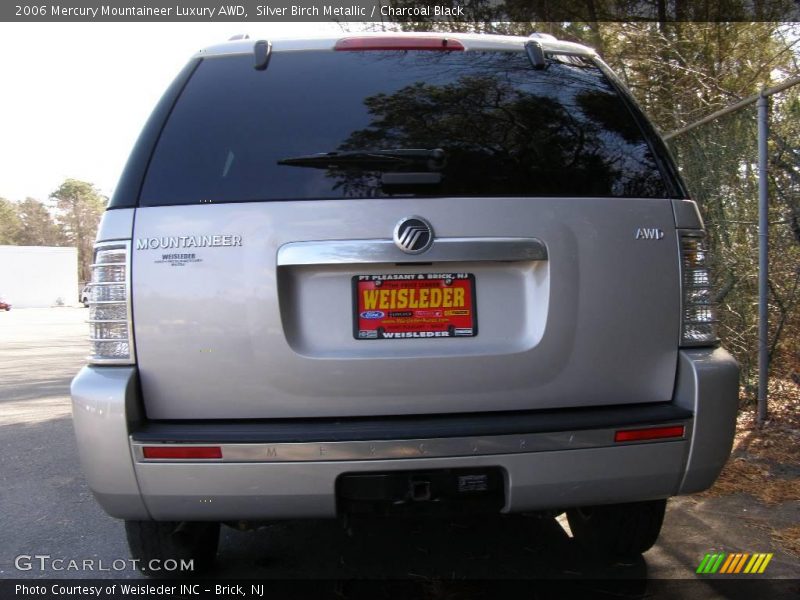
618	530
162	540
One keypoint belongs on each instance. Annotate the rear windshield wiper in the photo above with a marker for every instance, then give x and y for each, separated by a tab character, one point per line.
378	160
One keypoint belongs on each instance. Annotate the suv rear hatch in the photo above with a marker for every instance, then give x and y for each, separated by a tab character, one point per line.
255	259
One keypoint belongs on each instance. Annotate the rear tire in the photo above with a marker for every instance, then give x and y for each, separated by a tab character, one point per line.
159	541
618	530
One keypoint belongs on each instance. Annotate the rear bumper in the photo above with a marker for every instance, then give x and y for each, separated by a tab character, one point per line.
546	463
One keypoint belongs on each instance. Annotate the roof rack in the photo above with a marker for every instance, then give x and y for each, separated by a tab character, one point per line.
535	54
262	51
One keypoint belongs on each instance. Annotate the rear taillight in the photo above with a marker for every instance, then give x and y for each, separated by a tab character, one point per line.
649	433
699	312
110	306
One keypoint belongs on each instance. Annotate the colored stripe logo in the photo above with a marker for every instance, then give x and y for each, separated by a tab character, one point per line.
733	564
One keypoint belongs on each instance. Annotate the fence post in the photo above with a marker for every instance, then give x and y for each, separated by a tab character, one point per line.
763	258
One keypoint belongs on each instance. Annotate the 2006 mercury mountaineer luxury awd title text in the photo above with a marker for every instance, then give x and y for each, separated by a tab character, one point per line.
400	274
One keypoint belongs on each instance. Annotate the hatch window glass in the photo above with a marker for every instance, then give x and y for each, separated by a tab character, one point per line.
322	124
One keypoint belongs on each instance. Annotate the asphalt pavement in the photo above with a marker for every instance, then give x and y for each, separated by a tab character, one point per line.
47	509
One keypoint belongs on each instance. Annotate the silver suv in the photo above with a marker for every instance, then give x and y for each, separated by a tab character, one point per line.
400	274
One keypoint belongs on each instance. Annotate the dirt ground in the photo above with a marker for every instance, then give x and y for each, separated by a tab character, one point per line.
765	462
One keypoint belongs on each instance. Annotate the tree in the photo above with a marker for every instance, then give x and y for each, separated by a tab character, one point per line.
38	226
80	207
494	130
10	225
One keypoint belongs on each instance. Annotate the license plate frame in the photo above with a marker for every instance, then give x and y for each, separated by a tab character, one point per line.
411	315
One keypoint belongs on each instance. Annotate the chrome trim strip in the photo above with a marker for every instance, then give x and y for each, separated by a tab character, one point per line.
111	264
106	320
415	448
338	252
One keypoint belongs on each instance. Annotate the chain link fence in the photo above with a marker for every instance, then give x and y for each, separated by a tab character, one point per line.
720	161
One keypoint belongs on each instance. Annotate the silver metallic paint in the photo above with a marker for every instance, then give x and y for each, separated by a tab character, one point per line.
284	334
103	396
116	225
539	480
103	403
708	385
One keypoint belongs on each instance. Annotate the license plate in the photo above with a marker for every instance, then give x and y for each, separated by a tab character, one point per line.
414	306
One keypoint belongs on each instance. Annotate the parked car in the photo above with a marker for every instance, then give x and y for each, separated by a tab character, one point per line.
450	274
4	305
86	294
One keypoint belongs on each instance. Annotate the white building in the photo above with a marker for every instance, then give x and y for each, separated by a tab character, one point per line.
39	276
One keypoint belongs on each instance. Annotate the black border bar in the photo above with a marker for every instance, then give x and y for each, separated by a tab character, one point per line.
442	12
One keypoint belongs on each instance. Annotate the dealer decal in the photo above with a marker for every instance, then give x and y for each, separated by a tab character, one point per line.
414	306
178	259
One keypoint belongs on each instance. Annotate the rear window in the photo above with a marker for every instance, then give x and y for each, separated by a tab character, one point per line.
503	128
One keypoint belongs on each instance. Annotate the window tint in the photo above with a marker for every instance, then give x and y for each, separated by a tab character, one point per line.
505	129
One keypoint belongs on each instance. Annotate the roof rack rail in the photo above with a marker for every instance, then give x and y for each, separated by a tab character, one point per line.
543	36
239	36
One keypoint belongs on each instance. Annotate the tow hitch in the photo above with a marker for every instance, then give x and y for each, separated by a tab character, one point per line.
435	492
